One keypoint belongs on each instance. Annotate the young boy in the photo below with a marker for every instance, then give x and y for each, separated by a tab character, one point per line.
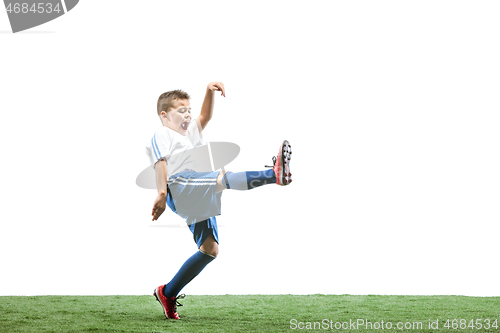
179	183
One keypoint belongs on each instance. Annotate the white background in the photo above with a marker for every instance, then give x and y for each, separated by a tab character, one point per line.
391	107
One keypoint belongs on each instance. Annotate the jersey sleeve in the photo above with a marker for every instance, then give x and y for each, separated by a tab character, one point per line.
159	146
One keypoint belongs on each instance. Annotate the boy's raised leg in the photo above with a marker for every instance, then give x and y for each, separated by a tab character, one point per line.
279	174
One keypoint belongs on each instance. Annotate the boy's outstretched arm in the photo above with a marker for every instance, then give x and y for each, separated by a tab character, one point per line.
208	103
161	185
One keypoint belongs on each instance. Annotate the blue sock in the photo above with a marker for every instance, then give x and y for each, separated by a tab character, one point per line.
188	271
249	179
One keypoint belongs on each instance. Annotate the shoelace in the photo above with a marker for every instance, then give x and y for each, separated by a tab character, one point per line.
271	166
175	302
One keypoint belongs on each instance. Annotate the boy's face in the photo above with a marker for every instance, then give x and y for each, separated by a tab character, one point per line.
178	116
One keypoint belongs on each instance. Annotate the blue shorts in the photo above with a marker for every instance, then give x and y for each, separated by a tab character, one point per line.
202	230
193	196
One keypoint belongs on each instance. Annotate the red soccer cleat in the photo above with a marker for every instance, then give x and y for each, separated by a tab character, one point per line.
169	304
281	165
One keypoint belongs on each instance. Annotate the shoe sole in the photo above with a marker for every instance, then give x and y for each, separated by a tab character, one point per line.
155	294
285	156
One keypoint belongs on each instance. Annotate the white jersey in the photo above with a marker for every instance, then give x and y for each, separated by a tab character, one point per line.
171	145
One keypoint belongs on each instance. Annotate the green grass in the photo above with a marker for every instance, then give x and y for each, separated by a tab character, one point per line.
249	313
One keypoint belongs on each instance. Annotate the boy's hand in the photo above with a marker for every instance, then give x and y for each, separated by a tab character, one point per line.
159	206
208	103
217	86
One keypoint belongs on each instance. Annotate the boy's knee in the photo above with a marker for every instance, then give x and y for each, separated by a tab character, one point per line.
210	247
214	253
210	252
221	186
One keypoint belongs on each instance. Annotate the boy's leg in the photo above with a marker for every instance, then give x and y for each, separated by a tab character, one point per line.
206	237
279	174
192	267
167	294
248	180
210	247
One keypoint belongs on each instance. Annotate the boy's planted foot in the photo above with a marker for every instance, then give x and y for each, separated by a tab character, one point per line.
281	164
169	304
